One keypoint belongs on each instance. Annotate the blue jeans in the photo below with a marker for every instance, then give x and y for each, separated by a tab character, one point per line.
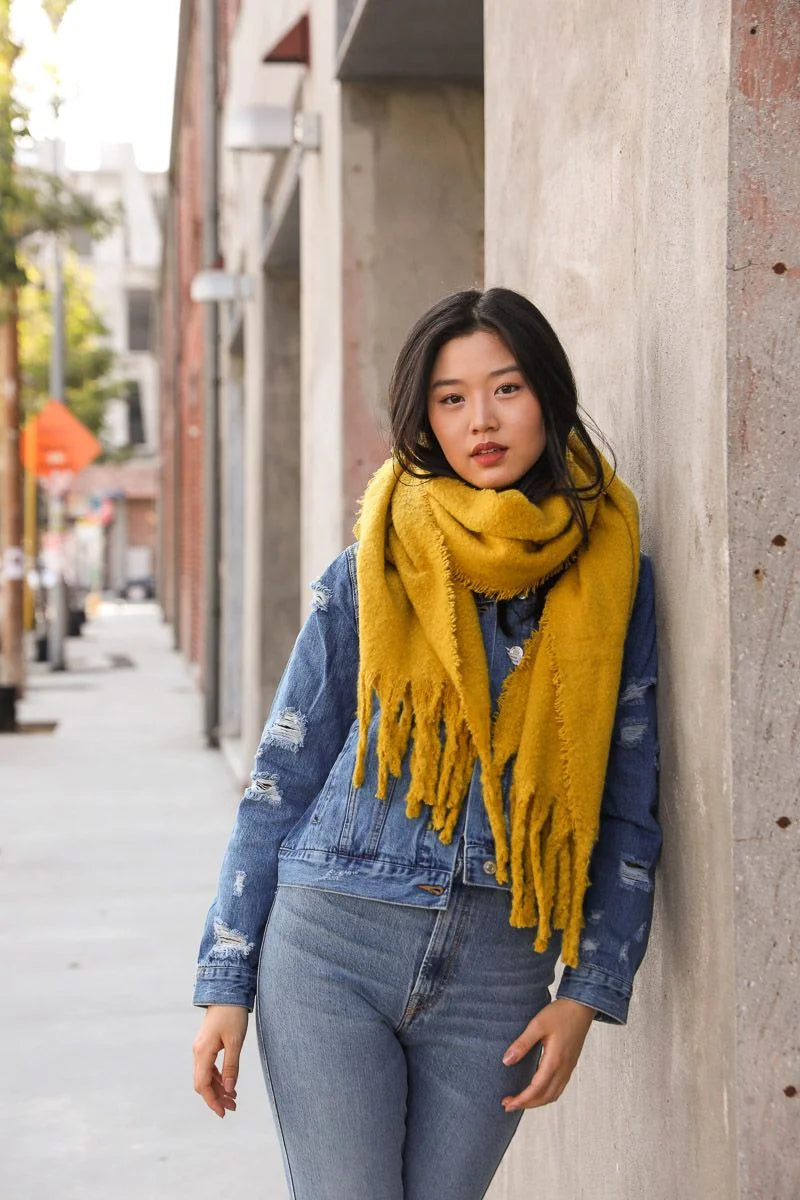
382	1029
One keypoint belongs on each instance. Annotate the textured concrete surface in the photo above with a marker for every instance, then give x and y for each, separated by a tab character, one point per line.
764	527
412	199
606	202
112	829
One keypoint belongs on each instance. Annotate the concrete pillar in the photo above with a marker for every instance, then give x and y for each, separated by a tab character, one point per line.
272	581
412	187
391	219
321	305
232	548
763	444
644	209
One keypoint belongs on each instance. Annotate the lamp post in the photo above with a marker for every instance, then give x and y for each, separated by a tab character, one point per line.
57	624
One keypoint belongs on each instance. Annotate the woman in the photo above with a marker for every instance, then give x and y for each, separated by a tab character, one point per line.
463	739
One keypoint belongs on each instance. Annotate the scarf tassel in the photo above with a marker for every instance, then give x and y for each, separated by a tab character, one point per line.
545	895
442	756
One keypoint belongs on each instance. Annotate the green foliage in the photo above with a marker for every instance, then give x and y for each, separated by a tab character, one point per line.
12	125
90	361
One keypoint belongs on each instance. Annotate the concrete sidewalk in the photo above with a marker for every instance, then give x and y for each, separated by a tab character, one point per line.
111	832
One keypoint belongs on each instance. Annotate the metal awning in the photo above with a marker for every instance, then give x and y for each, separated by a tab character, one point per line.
438	41
293	47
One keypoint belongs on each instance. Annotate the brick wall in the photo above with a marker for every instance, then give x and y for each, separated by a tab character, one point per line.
141	523
184	323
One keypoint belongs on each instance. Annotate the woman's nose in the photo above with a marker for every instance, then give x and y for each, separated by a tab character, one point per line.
482	414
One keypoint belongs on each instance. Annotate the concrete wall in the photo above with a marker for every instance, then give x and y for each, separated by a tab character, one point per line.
643	189
606	198
282	591
248	183
412	184
321	305
763	442
391	219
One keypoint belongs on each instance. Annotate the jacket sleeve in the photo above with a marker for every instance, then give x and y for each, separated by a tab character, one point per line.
619	901
307	726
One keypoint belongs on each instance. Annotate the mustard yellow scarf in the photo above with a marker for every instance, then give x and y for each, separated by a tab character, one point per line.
425	545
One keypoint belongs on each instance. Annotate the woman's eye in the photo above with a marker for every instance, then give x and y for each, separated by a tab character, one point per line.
451	399
508	389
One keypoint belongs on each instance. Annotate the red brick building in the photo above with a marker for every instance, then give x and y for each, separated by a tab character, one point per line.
183	537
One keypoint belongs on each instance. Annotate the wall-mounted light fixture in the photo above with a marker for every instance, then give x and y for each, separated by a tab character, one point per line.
216	287
268	127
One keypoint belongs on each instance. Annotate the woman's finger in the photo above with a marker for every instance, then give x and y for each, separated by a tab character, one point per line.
547	1084
522	1045
206	1074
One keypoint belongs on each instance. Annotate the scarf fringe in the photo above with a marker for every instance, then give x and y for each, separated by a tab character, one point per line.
428	718
549	863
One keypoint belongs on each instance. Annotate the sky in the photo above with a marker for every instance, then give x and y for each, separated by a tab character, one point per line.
116	63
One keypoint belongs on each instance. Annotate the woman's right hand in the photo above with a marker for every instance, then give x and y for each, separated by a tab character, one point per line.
223	1028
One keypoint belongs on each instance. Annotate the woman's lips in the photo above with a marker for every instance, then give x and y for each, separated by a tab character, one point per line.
488	454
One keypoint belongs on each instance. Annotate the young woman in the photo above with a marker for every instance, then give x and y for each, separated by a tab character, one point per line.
456	784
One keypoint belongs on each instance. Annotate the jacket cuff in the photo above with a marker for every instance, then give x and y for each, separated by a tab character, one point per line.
221	985
595	987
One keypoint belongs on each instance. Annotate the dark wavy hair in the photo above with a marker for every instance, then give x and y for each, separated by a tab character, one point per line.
544	364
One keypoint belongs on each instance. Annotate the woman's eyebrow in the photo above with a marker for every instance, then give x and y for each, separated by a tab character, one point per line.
455	382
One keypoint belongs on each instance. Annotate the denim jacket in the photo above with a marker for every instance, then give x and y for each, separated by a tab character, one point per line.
301	821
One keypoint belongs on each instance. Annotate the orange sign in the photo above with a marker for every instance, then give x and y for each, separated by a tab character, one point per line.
58	441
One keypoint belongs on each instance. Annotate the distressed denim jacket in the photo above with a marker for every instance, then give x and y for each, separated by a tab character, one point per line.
302	821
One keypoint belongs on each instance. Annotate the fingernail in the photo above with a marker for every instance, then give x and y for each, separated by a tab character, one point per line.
509	1057
229	1085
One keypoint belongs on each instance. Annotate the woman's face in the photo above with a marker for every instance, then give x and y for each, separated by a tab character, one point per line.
485	416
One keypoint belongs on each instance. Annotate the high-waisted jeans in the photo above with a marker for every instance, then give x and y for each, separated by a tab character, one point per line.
382	1029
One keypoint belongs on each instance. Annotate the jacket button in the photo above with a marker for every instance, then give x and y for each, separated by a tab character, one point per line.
490	867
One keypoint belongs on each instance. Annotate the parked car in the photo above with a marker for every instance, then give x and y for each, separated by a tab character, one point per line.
140	589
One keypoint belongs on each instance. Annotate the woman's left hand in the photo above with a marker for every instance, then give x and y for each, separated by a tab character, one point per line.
561	1027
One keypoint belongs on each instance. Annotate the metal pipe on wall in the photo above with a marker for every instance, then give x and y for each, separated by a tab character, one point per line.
177	429
211	447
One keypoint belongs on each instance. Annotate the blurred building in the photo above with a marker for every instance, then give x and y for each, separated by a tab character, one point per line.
112	505
125	268
636	172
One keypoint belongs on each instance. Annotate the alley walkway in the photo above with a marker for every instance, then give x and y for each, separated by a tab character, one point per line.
111	830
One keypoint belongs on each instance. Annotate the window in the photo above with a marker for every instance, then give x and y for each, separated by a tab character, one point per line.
140	312
135	418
